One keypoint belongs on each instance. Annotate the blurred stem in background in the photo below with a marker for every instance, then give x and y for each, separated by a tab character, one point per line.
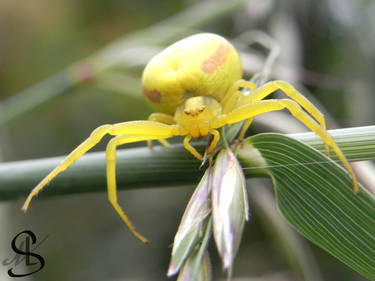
124	52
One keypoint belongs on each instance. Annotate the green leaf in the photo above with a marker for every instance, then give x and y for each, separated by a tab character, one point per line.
316	196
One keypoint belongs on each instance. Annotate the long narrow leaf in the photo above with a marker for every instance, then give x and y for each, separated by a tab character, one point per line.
316	196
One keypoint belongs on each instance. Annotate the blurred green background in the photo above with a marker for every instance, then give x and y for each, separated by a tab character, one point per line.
327	51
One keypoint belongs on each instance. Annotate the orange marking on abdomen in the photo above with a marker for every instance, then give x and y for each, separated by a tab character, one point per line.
216	59
152	95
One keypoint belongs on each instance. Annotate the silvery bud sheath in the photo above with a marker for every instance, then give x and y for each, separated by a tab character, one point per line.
219	203
197	266
229	205
192	226
194	270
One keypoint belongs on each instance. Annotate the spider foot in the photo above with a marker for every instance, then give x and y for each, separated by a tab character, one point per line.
206	157
326	150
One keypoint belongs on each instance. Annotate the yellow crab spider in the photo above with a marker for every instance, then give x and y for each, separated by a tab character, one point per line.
194	85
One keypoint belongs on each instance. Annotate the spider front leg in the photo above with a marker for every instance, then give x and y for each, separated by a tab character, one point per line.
251	110
270	87
162	118
233	95
134	131
111	175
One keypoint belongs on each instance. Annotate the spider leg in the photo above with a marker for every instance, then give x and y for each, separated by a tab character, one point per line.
162	118
145	128
251	110
245	127
214	141
191	149
270	87
233	95
211	148
111	175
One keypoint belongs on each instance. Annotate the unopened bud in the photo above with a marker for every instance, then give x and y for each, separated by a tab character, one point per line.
229	205
191	227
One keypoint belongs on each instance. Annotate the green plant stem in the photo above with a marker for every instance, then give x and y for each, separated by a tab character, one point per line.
146	168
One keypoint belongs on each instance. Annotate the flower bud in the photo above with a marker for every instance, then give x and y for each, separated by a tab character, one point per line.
202	273
229	205
191	227
197	266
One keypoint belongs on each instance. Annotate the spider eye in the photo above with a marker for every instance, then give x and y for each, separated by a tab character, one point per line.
194	111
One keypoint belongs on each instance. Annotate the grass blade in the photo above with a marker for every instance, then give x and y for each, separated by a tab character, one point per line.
318	199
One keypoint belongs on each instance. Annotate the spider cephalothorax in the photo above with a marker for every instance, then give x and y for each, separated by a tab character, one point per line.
195	86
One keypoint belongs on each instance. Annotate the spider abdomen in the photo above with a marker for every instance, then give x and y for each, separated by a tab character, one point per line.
200	65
